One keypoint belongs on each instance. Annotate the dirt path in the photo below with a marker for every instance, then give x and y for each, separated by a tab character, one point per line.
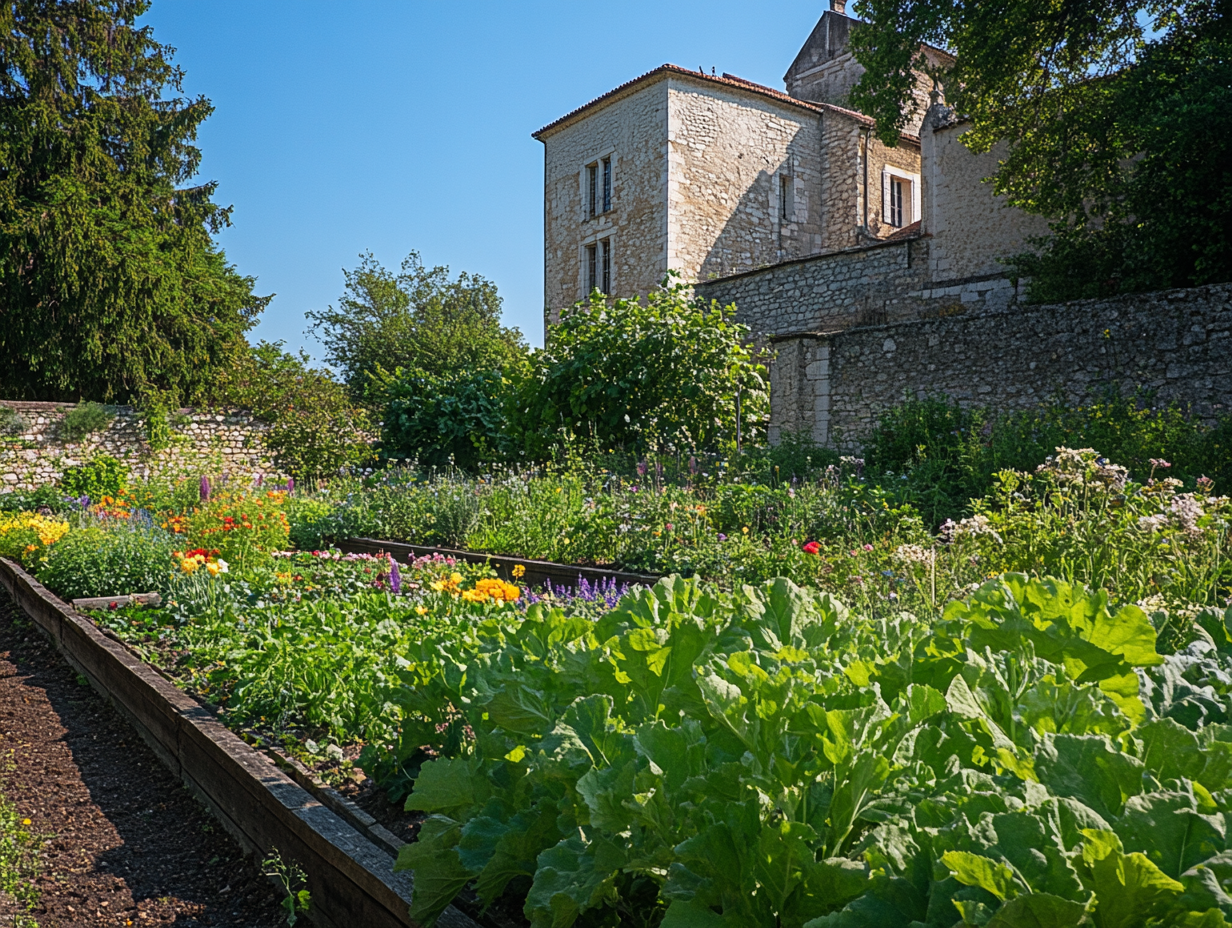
125	844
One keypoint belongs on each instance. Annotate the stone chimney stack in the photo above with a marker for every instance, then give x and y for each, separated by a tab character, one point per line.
839	7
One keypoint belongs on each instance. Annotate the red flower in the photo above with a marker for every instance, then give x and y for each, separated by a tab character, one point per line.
811	548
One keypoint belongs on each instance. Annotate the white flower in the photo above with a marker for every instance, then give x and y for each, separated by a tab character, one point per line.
914	554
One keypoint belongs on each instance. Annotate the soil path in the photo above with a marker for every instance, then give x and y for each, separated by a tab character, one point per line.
125	844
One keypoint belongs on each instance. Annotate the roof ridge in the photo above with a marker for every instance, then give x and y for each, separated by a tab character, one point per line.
726	80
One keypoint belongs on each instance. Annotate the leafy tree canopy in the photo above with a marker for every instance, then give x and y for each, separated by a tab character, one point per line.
111	287
1117	118
315	429
664	374
419	319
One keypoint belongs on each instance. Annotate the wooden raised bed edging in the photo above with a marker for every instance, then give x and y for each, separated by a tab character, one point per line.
351	880
536	572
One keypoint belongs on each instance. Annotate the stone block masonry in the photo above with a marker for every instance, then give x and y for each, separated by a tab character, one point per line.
229	443
1175	343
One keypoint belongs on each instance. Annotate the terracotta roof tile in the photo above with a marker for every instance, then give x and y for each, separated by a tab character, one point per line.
905	232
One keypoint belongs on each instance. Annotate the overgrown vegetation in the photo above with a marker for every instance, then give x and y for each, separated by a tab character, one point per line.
947	455
1118	119
315	426
420	320
669	375
100	476
83	420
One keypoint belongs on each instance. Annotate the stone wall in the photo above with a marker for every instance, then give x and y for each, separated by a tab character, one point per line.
216	443
970	227
860	286
631	129
730	152
1177	343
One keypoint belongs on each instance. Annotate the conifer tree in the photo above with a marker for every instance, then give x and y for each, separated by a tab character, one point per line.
111	287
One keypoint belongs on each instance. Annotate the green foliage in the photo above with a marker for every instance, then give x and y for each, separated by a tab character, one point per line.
770	758
84	420
111	282
315	428
418	319
44	497
100	476
109	560
1116	118
456	420
666	374
19	858
11	421
950	455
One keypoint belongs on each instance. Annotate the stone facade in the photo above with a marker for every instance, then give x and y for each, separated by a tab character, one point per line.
1176	343
733	157
825	71
216	443
860	286
710	176
631	130
971	228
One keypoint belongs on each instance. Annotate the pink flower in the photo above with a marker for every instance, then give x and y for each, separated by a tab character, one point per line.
670	527
811	548
868	547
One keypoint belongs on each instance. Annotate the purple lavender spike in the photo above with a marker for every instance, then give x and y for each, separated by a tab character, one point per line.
205	489
395	576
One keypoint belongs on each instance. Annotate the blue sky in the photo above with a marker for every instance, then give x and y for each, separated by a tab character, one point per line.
391	126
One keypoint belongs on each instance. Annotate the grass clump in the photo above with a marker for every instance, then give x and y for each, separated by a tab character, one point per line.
84	420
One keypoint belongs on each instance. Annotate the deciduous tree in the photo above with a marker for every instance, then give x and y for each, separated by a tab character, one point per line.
1117	115
420	319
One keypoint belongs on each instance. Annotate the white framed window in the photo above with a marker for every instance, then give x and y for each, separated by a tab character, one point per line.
592	190
605	266
592	269
900	197
606	166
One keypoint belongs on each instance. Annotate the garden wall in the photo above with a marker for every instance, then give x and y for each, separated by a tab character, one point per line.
36	453
1177	343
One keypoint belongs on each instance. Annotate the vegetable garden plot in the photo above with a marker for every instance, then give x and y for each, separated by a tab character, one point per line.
899	739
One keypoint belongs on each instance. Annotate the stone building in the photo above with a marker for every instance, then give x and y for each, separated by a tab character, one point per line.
832	246
713	175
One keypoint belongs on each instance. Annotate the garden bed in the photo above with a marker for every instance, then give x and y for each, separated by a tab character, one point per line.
113	848
351	880
532	572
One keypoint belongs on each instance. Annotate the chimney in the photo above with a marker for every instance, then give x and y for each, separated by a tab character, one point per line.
839	7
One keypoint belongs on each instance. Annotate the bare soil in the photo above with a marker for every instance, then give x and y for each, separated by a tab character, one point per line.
123	842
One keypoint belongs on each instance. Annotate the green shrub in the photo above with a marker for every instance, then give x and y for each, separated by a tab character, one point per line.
44	497
100	476
315	429
668	374
940	456
85	419
307	518
455	420
114	560
11	421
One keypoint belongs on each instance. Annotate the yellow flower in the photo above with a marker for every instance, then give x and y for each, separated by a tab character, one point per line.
421	610
26	821
519	571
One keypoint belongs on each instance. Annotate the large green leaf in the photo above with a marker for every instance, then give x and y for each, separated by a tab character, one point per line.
447	785
1039	910
1090	769
438	873
1129	889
